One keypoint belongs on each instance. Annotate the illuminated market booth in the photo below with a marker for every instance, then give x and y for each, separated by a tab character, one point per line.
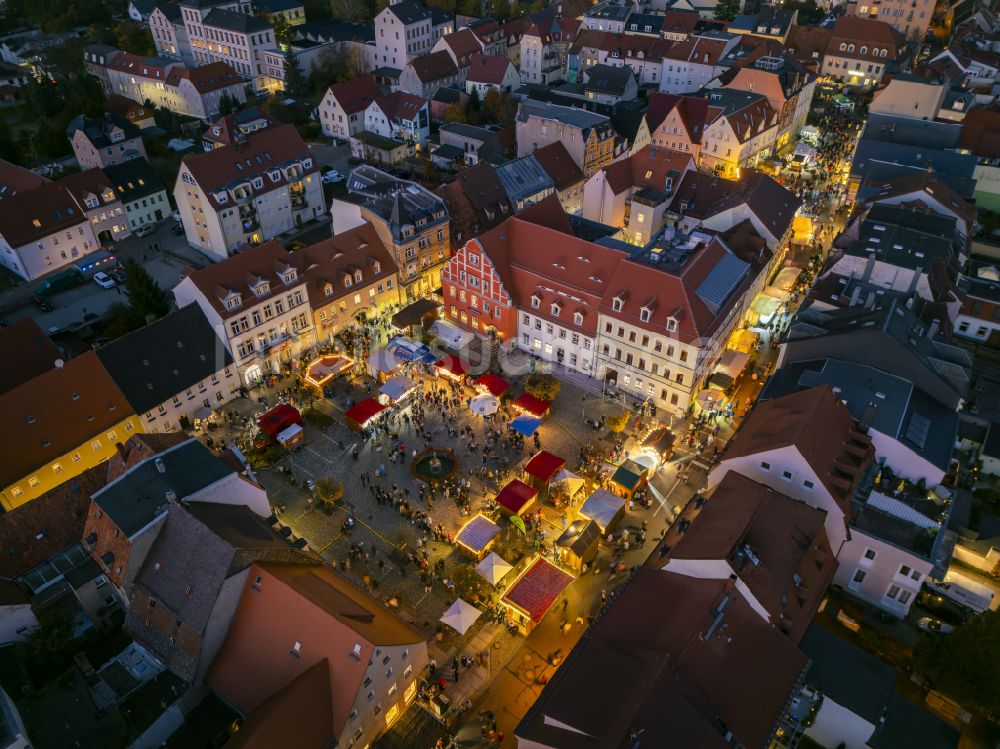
493	568
493	384
451	368
604	508
629	478
658	447
477	536
450	335
516	497
363	414
578	544
397	391
326	368
542	469
532	594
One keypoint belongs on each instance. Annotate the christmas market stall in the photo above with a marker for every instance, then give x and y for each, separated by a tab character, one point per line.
363	414
326	368
532	594
516	497
451	368
397	391
493	568
629	477
477	536
604	508
542	468
578	544
493	384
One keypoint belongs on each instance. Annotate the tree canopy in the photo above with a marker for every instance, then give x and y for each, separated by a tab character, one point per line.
543	386
963	664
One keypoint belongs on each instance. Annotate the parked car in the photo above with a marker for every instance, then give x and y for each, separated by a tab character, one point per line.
42	303
177	216
103	280
145	231
118	276
934	626
332	177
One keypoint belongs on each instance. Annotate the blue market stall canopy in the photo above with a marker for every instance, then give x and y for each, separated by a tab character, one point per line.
526	424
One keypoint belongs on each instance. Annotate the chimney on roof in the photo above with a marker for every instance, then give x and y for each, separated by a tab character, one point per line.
869	267
160	467
854	295
122	450
171	495
933	329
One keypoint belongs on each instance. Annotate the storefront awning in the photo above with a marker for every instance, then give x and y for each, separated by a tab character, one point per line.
602	507
743	340
477	533
495	384
765	307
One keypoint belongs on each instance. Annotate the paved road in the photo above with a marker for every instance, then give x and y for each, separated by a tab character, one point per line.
335	157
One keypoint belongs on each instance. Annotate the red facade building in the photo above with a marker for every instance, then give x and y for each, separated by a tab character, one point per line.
474	296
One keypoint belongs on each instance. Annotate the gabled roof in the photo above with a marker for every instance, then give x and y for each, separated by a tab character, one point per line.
165	358
559	165
356	94
47	524
90	182
242	23
838	453
97	129
696	113
669	660
400	105
863	30
433	66
55	412
15	179
205	78
134	179
33	353
649	167
463	43
328	262
981	132
237	274
776	545
524	177
410	11
488	69
608	79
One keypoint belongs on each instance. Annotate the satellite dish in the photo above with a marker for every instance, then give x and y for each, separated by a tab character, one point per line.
59	363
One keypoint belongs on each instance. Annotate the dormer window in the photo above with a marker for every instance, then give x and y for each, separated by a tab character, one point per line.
555	310
289	276
577	318
261	288
258	183
377	267
307	163
328	290
671	324
221	197
536	302
644	314
357	277
275	176
233	301
617	303
347	282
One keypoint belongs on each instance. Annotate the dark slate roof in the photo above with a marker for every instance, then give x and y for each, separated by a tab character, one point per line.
410	11
878	162
134	179
524	177
136	498
96	128
242	23
607	79
847	674
155	363
327	30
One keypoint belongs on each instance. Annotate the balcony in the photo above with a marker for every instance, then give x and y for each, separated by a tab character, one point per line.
247	211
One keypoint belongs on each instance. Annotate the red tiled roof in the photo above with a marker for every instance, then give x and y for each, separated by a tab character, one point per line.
206	78
364	410
278	418
463	43
538	588
433	66
355	95
516	496
695	112
35	353
496	385
488	69
400	105
559	165
531	404
696	49
544	465
981	132
648	167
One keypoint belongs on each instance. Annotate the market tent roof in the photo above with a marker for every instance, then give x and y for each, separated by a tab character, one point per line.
452	337
536	590
601	507
451	364
484	404
765	306
278	418
787	278
327	367
773	292
526	424
744	341
363	411
383	360
413	313
493	568
628	475
516	496
532	405
460	616
397	387
494	383
729	368
660	440
406	349
710	399
574	482
579	536
478	532
544	465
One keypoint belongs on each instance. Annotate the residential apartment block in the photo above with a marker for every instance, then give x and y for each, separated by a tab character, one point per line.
191	91
411	221
58	424
104	141
343	106
260	187
174	371
140	191
258	300
588	137
405	30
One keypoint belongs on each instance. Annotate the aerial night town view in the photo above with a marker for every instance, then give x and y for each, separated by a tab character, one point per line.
500	374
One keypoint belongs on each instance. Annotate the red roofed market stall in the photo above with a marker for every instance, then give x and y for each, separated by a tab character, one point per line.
492	384
516	497
542	467
533	593
361	414
530	404
450	366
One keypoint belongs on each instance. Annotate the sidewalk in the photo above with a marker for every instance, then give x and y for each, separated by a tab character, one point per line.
472	681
